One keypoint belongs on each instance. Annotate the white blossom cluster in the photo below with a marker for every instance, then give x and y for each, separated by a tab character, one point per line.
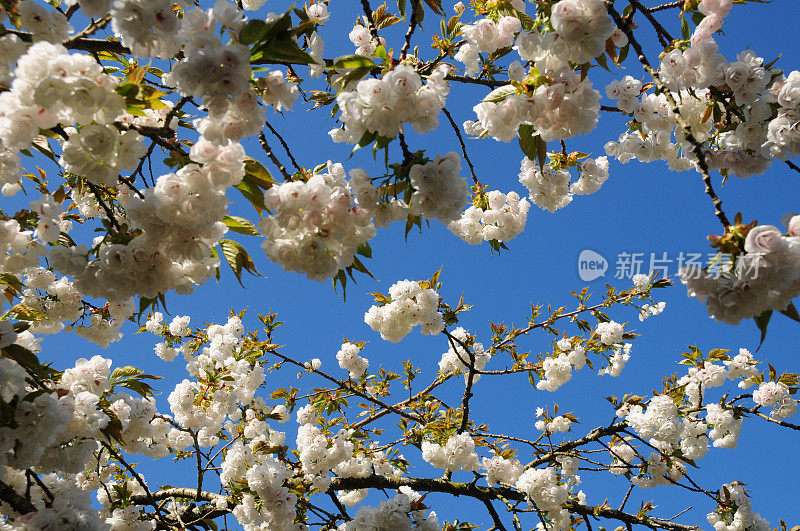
11	48
410	305
362	39
45	24
567	108
548	188
670	429
52	86
383	105
500	470
51	222
609	332
211	70
763	128
558	424
766	276
147	27
551	189
653	141
621	353
315	227
439	189
269	504
19	249
776	395
277	91
783	139
100	153
547	494
735	512
503	219
384	212
558	369
396	514
181	219
205	409
350	360
457	360
458	453
56	434
659	422
583	26
486	36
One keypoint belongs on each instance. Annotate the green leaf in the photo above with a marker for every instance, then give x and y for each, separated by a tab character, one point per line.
125	372
686	33
238	259
354	61
601	60
240	225
252	192
281	50
761	322
364	250
500	93
359	266
257	173
138	386
252	31
353	75
791	312
26	313
215	254
532	144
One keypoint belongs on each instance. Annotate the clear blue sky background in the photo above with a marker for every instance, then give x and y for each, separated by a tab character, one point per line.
641	208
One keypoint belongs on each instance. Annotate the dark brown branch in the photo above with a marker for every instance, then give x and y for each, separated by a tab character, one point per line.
17	502
461	141
133	472
107	209
412	24
662	7
663	35
660	88
594	435
497	493
97	45
373	30
498	524
470	378
268	150
475	81
352	389
91	29
383	412
285	146
793	166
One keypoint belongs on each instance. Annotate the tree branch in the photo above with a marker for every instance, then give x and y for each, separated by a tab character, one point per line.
17	502
661	89
497	493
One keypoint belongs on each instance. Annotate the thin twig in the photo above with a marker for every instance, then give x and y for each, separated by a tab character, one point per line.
663	35
495	517
461	141
268	150
373	30
285	146
412	24
662	89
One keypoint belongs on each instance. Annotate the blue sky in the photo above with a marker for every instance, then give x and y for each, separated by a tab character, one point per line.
640	209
